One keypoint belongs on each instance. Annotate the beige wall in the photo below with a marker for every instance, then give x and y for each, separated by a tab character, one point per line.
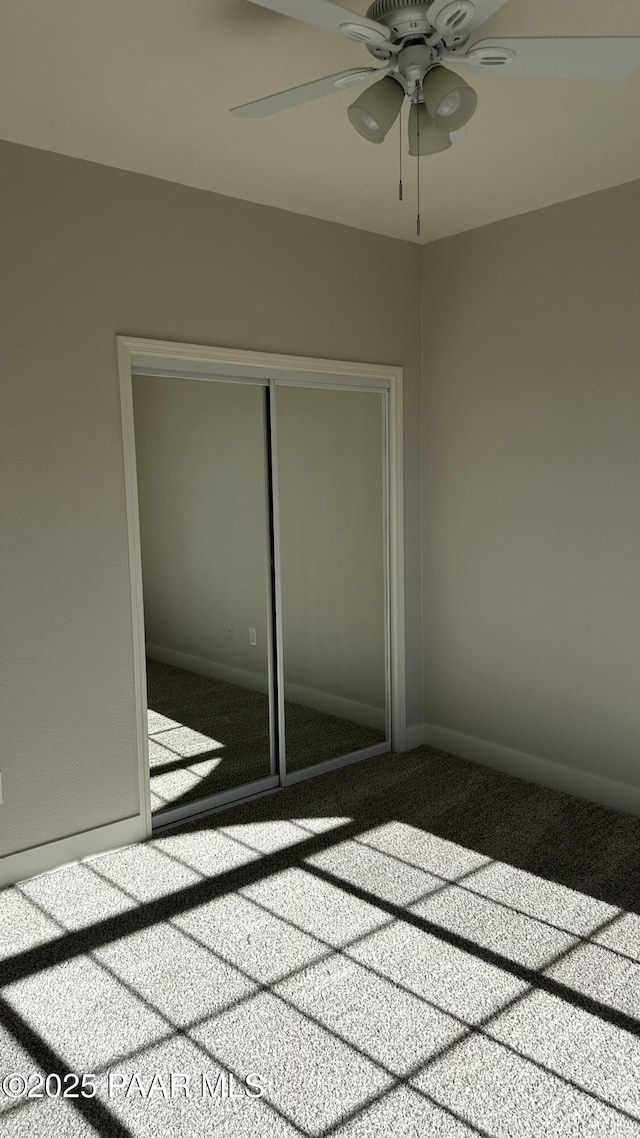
89	252
531	508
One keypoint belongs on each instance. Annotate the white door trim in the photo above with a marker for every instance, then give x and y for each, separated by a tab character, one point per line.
165	356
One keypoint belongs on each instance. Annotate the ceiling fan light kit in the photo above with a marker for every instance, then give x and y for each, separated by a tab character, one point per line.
448	98
377	108
424	136
413	39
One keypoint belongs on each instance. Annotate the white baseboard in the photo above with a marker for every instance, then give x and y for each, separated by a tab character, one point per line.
225	672
413	736
332	704
327	702
583	784
70	850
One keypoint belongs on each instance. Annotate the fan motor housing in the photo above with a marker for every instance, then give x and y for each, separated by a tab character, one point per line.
407	20
381	10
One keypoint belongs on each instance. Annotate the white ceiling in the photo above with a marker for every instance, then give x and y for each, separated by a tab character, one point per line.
146	85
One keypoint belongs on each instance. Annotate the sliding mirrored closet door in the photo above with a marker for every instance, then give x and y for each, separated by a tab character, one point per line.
203	493
332	509
264	548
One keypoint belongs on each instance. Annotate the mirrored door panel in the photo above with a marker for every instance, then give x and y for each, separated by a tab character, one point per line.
206	569
332	530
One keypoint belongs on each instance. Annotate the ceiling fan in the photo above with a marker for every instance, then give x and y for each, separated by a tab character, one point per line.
413	40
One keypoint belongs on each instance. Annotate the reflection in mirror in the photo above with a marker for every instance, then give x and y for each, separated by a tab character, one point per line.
202	492
332	501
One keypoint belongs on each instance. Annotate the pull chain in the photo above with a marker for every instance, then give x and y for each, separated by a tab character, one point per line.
418	167
400	182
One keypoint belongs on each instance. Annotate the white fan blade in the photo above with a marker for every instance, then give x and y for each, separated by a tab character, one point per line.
564	57
292	97
463	16
330	17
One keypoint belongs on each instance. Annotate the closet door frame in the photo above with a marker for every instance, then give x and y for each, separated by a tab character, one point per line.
195	361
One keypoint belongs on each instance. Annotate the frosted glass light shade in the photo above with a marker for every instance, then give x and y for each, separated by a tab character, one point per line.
376	109
432	140
449	100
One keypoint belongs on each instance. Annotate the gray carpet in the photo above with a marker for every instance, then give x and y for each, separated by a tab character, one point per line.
206	736
413	946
